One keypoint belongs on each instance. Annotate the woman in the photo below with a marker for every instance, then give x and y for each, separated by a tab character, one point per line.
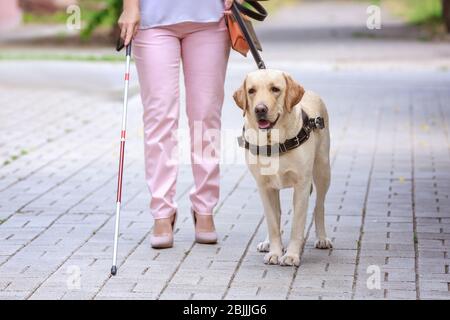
165	32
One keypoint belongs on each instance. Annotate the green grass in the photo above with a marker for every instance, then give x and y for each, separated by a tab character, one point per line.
424	11
55	18
418	12
60	17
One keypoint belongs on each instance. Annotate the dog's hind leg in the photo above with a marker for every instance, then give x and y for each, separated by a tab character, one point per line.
321	177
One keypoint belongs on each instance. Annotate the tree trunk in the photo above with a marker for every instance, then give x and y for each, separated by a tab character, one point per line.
446	13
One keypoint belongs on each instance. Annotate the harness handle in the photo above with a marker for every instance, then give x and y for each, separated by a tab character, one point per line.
260	13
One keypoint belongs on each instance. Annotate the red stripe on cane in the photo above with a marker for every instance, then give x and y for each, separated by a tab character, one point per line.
120	175
127	76
122	134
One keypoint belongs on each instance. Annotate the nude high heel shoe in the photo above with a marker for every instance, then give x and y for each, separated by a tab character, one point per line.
163	241
203	237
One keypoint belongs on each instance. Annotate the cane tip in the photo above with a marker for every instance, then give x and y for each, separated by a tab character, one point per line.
113	270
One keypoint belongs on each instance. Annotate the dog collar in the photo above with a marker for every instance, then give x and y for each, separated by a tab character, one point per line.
309	124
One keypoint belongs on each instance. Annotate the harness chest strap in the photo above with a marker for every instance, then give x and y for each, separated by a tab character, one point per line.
309	124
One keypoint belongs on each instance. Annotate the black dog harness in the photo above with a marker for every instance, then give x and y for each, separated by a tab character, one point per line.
309	124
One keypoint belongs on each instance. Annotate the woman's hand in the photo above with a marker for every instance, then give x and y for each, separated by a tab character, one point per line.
129	20
229	3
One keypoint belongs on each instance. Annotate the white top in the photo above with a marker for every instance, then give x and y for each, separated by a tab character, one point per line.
166	12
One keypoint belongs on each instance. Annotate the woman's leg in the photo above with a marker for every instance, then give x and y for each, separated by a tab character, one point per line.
205	50
157	56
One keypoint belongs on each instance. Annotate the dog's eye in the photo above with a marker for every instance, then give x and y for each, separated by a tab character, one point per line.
275	89
251	91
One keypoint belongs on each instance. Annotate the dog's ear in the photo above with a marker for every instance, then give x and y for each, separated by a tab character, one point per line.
240	97
294	92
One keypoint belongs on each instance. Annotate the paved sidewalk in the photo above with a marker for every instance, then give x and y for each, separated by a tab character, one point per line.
387	211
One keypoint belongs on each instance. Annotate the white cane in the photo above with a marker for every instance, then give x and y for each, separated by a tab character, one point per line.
121	159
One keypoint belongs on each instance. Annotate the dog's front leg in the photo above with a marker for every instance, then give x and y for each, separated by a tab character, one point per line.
301	197
271	201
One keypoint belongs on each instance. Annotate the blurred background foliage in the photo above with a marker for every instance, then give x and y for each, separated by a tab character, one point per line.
105	13
418	11
106	16
96	14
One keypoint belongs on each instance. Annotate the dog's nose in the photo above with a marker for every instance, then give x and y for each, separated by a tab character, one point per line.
261	109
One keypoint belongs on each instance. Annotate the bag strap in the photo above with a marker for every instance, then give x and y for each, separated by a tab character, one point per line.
260	13
237	15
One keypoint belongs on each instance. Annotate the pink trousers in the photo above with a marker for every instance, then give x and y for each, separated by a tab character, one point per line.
204	49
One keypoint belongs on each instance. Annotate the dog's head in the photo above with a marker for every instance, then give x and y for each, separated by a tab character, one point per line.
266	96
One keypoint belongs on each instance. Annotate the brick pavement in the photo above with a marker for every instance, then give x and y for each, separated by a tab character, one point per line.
388	205
387	211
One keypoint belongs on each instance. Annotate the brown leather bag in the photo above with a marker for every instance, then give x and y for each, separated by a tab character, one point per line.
237	38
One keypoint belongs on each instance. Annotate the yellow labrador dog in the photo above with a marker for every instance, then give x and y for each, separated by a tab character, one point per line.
287	141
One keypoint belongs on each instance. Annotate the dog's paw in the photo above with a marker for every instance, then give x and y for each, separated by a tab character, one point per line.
290	260
272	257
263	246
324	243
